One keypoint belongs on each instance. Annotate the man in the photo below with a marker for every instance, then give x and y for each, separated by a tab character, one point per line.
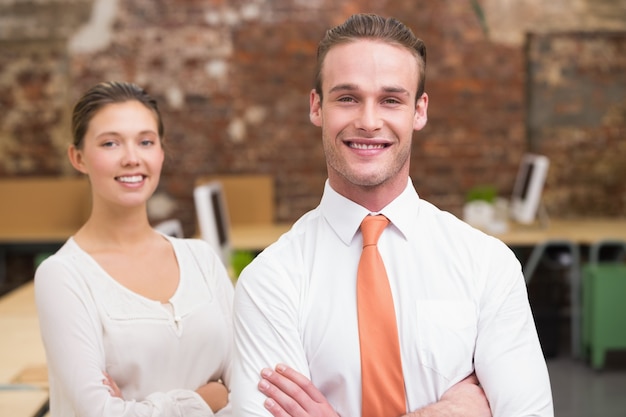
459	295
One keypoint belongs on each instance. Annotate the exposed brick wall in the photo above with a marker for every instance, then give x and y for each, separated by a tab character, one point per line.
32	108
577	91
233	80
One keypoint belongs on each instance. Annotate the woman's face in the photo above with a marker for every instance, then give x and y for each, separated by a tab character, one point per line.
121	154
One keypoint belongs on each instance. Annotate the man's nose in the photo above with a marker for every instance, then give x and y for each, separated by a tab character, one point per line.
369	118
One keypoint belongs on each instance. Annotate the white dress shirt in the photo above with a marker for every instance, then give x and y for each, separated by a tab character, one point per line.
460	301
158	354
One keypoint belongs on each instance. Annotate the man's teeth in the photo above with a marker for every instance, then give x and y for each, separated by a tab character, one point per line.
366	146
134	178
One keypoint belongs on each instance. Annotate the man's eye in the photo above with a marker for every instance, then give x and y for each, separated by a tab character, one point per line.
346	99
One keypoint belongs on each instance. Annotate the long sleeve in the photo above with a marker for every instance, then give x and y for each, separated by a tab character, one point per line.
508	358
71	333
266	333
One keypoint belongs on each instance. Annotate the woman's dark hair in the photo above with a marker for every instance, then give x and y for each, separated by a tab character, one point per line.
371	26
105	93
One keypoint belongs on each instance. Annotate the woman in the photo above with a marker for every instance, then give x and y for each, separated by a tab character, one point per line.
134	323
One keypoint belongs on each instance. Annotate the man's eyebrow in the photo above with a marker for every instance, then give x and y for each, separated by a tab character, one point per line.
344	87
400	90
354	87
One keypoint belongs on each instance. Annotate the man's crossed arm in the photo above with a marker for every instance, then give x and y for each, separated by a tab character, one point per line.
291	394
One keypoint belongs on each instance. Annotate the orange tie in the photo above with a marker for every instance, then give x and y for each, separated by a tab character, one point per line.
381	367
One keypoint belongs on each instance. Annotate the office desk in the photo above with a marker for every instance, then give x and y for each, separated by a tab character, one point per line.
21	349
23	375
579	231
571	235
22	403
29	241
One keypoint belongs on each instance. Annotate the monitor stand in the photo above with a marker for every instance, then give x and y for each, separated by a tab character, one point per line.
542	216
542	220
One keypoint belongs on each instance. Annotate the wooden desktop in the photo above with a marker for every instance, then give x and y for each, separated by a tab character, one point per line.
582	231
578	231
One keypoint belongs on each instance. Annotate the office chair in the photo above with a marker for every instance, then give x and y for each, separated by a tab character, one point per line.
564	256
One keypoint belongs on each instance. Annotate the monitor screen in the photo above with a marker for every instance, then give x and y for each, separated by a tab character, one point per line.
212	214
527	173
218	215
528	188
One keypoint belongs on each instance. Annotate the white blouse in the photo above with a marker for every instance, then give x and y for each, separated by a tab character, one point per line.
158	354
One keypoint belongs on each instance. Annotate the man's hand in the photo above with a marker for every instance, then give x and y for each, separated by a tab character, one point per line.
290	393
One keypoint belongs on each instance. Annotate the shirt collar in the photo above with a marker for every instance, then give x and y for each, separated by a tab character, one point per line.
344	216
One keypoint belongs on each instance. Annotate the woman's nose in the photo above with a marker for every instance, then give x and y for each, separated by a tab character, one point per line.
131	155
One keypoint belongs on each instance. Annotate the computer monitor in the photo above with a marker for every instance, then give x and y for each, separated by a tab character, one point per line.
213	221
528	187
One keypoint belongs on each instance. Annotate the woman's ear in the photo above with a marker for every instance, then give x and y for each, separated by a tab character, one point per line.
315	108
76	158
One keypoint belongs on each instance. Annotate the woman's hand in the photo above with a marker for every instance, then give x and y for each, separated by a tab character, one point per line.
215	394
113	388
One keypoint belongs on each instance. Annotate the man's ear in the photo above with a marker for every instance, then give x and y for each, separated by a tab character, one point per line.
76	158
421	112
315	108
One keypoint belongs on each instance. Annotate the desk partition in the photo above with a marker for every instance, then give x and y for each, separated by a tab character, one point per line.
38	214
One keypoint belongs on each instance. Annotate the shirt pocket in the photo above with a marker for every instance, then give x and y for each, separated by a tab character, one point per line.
446	336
